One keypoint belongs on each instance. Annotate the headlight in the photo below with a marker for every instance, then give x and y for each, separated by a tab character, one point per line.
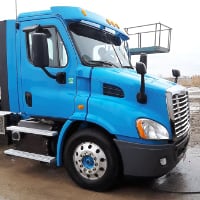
149	129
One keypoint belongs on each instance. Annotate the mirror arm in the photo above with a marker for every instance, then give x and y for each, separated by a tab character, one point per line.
141	96
60	77
141	69
48	73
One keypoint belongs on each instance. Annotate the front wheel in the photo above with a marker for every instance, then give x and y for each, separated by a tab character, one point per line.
92	160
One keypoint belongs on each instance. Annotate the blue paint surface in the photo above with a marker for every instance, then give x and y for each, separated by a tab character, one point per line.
84	84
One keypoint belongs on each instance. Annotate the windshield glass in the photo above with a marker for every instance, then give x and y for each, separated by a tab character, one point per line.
97	47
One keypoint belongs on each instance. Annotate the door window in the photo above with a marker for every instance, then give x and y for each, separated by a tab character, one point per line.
57	52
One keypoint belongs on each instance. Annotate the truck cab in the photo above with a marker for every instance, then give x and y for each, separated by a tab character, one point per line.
70	96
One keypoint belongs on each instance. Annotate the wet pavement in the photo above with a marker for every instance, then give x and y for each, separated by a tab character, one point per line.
185	177
22	179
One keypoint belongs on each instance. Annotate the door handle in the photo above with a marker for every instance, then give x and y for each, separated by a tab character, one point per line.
28	98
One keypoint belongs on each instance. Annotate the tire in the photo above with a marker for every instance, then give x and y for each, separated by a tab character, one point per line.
92	160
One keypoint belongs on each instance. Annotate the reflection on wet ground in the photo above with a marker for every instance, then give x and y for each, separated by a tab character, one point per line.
185	177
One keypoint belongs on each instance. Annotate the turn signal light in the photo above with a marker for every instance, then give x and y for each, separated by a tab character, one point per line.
141	129
80	106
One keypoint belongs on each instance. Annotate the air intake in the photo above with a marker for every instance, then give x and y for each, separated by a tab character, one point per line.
112	90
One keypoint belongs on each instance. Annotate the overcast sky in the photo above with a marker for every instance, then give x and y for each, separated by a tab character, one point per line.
182	15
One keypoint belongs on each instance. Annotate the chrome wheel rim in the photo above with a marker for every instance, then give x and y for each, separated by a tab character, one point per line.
90	160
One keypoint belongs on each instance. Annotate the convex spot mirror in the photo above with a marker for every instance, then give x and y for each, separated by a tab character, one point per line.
176	72
141	68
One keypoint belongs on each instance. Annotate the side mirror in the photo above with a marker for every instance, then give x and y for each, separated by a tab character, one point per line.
176	73
141	96
40	54
141	68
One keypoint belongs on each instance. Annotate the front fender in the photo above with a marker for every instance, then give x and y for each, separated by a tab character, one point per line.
60	143
100	121
90	118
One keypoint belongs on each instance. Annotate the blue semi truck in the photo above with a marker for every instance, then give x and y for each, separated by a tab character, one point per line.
70	96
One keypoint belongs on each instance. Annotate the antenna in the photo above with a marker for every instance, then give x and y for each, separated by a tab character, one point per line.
16	9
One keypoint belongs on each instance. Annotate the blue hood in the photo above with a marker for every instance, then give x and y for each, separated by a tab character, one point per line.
129	82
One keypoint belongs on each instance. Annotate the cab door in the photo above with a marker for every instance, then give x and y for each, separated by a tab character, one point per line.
42	95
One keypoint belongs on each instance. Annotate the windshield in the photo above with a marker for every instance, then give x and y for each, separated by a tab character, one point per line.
97	47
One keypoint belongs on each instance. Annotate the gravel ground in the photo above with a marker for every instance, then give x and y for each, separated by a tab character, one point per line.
195	115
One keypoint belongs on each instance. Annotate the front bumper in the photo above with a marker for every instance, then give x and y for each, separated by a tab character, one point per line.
143	160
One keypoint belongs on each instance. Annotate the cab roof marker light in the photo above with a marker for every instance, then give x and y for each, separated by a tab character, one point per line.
112	23
108	21
84	12
78	14
116	25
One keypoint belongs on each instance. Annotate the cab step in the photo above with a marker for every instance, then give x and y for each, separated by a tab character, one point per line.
32	131
4	113
31	156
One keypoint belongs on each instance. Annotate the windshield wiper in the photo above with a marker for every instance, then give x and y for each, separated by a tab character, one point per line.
128	67
99	62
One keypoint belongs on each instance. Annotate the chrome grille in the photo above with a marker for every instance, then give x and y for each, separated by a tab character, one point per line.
178	106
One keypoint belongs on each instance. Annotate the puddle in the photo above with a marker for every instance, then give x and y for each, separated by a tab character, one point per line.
185	177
